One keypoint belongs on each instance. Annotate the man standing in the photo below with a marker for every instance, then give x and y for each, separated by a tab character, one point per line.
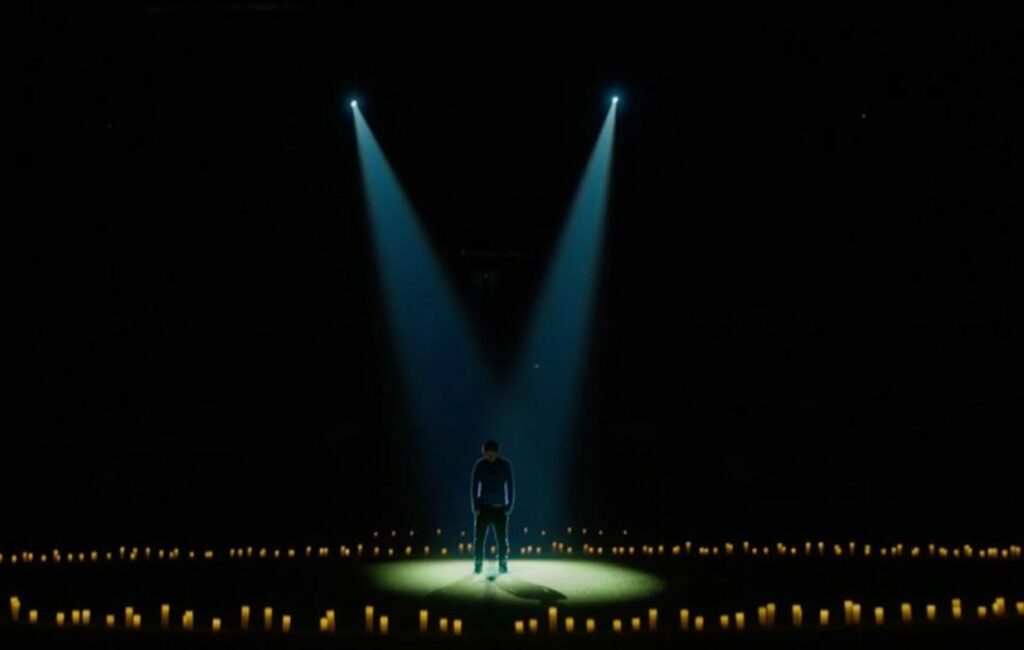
492	493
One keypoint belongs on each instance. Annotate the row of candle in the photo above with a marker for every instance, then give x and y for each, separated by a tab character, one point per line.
379	624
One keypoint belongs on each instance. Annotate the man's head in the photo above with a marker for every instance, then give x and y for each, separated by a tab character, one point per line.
490	450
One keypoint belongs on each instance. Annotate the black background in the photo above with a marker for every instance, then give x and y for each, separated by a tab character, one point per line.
808	320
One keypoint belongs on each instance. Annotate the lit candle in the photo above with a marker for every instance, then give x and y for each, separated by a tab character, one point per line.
76	617
684	619
245	617
128	613
823	617
552	619
1020	608
215	625
424	621
286	623
137	621
111	620
165	616
457	627
770	608
59	618
33	617
635	623
188	621
591	626
268	618
15	608
652	619
519	627
798	616
723	620
930	612
323	625
442	624
762	616
617	625
570	624
982	612
879	615
906	613
86	617
332	624
534	625
999	606
741	621
368	619
698	623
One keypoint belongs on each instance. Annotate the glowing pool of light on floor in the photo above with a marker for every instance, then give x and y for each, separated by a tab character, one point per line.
529	582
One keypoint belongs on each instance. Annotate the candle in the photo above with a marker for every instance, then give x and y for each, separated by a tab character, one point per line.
999	606
215	625
165	616
552	619
245	617
617	625
982	612
111	620
698	623
86	617
457	627
770	609
33	616
823	617
879	615
188	620
15	608
268	618
591	626
635	623
424	621
519	627
323	625
442	625
684	619
332	624
128	613
76	617
762	616
741	621
905	612
59	618
137	621
798	616
534	625
286	624
723	620
1020	608
930	612
368	619
570	624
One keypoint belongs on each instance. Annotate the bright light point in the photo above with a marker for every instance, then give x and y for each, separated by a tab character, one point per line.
353	103
615	100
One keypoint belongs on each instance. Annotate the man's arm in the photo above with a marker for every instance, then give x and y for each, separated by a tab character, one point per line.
474	481
511	486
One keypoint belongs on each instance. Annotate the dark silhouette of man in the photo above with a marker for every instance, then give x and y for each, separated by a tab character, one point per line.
492	492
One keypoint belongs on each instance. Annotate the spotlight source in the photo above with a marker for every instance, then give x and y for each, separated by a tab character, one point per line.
615	100
353	103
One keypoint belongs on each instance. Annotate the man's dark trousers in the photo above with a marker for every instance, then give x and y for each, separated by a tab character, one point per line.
490	516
